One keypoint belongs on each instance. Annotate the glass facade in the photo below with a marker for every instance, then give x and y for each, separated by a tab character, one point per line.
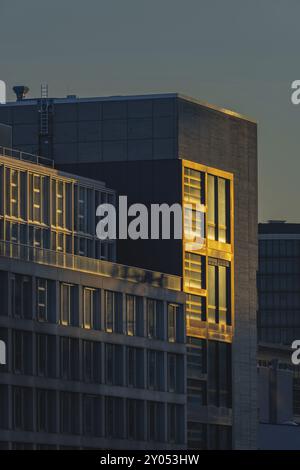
47	210
208	273
278	290
208	282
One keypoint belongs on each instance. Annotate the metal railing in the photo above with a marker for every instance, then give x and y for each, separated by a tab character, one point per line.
26	157
89	265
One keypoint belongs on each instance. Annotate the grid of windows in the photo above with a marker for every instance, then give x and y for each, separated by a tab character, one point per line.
90	362
59	214
278	290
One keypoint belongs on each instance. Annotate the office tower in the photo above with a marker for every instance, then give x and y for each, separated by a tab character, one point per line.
95	351
172	149
278	327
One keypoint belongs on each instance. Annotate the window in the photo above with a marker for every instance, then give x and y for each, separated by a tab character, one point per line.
155	328
212	293
60	204
155	370
193	186
172	372
219	300
69	415
195	313
114	423
194	272
41	300
114	364
69	358
219	374
14	192
219	437
88	307
92	361
218	209
113	312
130	314
83	206
46	355
197	435
135	367
172	319
22	409
4	406
92	416
36	198
196	357
175	423
68	305
155	421
22	352
46	411
21	296
82	209
135	419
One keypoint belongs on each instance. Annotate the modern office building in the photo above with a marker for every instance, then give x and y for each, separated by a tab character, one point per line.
278	326
172	149
95	351
278	283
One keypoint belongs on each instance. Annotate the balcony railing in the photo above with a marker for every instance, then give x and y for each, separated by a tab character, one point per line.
26	157
88	265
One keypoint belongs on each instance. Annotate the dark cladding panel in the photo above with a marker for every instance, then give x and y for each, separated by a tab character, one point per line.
5	136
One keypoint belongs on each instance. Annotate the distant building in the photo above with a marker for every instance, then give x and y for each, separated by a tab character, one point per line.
278	326
95	351
174	149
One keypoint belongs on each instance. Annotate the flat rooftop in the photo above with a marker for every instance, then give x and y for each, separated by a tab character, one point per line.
75	99
278	227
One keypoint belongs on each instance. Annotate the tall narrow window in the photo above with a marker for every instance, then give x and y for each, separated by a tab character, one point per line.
82	209
222	294
212	291
14	199
131	367
222	216
172	376
36	196
211	207
88	307
65	314
109	311
41	300
113	312
172	317
218	208
60	204
219	306
151	318
131	314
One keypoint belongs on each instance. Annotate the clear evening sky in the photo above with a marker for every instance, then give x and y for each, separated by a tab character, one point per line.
239	54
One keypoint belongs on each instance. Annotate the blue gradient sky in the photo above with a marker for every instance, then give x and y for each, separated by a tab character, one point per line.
239	54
